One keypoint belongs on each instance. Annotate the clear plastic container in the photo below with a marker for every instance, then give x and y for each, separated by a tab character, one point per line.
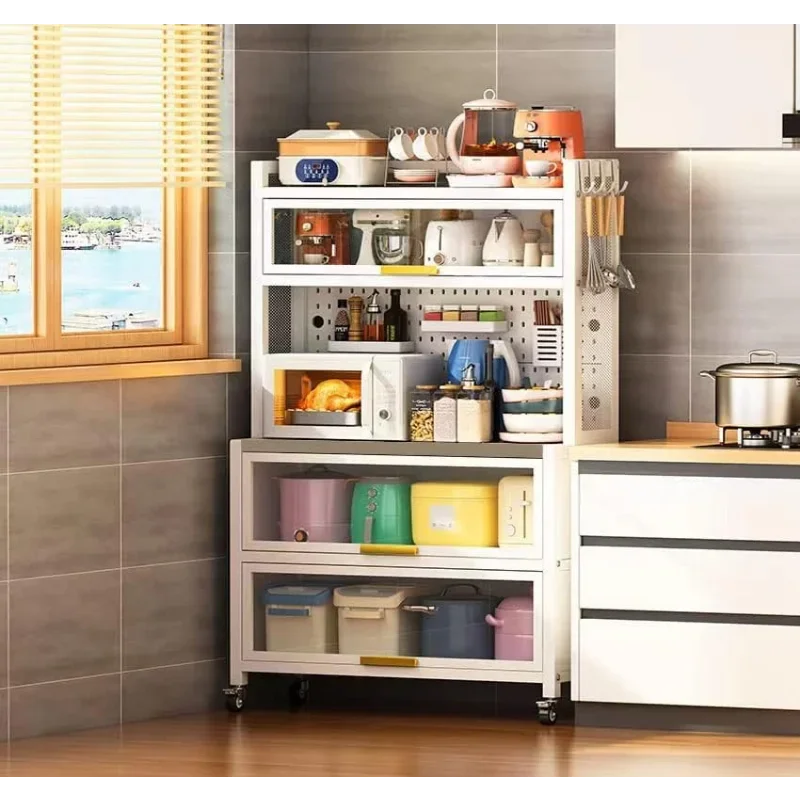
474	415
445	401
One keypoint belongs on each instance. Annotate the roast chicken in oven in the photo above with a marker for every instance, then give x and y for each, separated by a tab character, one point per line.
331	395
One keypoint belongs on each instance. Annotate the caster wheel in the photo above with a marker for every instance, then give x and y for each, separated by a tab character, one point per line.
548	716
298	693
234	699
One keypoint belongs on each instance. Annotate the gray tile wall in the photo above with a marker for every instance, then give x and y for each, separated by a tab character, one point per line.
113	526
711	236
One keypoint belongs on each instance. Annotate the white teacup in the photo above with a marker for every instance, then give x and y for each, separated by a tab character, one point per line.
400	146
315	258
538	168
425	145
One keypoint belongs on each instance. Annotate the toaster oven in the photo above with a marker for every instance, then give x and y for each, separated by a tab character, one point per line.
343	396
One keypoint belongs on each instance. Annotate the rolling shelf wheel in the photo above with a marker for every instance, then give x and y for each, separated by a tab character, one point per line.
298	693
548	712
235	697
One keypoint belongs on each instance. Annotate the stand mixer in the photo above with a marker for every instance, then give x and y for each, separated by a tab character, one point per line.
549	135
385	237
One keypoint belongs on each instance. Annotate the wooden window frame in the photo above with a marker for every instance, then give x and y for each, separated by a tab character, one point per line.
185	293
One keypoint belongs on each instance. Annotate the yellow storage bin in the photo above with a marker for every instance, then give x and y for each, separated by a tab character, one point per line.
454	514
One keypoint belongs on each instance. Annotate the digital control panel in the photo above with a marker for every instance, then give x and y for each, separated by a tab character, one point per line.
317	170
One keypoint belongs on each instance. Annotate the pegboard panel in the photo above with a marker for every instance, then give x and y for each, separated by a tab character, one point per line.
319	307
597	335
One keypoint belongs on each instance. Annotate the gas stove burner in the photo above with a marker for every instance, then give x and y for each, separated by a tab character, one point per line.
780	438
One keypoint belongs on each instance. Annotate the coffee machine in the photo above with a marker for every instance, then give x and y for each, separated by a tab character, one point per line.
322	237
549	135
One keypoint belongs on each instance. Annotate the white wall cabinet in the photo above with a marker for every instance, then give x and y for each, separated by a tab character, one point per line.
703	86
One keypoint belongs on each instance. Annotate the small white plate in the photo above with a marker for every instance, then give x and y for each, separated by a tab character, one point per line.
415	175
531	438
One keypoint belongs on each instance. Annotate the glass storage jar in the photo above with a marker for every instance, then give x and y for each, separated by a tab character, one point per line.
445	413
421	421
474	414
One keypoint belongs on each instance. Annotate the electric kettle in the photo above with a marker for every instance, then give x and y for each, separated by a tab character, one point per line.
505	242
463	352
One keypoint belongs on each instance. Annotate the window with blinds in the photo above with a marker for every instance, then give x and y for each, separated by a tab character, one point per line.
133	105
109	138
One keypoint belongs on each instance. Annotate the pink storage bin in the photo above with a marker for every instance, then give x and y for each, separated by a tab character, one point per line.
513	629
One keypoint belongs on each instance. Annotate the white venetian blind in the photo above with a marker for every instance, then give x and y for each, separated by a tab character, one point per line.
99	105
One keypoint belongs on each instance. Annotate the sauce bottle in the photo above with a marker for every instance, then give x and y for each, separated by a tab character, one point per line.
395	320
373	329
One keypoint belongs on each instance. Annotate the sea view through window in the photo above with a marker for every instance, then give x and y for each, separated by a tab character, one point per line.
111	260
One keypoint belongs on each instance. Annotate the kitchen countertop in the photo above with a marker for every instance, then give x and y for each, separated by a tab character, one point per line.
683	451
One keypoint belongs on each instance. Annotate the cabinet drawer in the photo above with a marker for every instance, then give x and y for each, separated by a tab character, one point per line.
687	663
673	579
675	507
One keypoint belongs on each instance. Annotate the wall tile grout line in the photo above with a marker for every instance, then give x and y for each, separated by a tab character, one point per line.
171	666
116	569
123	464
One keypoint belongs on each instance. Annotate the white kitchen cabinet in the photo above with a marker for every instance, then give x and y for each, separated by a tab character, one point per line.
703	86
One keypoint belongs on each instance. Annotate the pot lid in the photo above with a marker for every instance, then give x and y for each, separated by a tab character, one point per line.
332	134
759	369
490	101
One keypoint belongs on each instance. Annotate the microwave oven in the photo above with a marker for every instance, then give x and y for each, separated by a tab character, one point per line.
343	396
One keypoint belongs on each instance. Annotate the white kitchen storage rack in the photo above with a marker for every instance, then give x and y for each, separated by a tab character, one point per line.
293	308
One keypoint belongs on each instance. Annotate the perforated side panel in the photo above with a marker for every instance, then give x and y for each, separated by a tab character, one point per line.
279	319
321	306
598	319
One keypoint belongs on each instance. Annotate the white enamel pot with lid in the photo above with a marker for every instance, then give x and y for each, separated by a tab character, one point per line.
757	394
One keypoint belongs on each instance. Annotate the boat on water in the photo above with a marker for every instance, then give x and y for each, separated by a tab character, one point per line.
73	240
108	320
9	283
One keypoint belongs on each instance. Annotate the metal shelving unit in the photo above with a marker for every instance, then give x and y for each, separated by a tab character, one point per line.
283	296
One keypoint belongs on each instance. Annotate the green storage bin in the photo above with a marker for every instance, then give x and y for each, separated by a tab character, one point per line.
381	511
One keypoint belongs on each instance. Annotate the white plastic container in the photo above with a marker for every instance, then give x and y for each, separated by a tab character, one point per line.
372	622
300	619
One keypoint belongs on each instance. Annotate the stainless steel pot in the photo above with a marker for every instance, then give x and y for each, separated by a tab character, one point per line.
757	394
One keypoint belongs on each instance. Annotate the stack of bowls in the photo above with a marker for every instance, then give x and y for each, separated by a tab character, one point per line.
536	411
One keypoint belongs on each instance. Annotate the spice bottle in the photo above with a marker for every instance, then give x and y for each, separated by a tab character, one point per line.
356	306
341	325
444	413
421	422
395	320
473	411
373	327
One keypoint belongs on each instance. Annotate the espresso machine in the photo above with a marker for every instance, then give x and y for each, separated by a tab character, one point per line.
385	237
548	136
322	237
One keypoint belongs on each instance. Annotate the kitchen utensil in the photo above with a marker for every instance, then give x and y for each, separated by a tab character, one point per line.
549	135
532	255
757	394
424	145
381	511
530	438
401	146
538	169
322	237
505	242
515	512
607	249
464	352
455	243
513	626
454	514
533	423
453	623
355	305
594	281
486	147
547	260
315	506
332	156
385	237
626	279
415	175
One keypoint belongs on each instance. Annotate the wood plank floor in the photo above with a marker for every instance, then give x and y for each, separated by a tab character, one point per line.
317	744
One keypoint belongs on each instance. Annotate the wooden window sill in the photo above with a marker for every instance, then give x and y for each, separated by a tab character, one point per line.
113	372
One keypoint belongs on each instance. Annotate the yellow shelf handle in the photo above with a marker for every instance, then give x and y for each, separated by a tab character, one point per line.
389	661
389	269
389	550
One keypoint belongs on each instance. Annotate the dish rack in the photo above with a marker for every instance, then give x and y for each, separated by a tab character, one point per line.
440	166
